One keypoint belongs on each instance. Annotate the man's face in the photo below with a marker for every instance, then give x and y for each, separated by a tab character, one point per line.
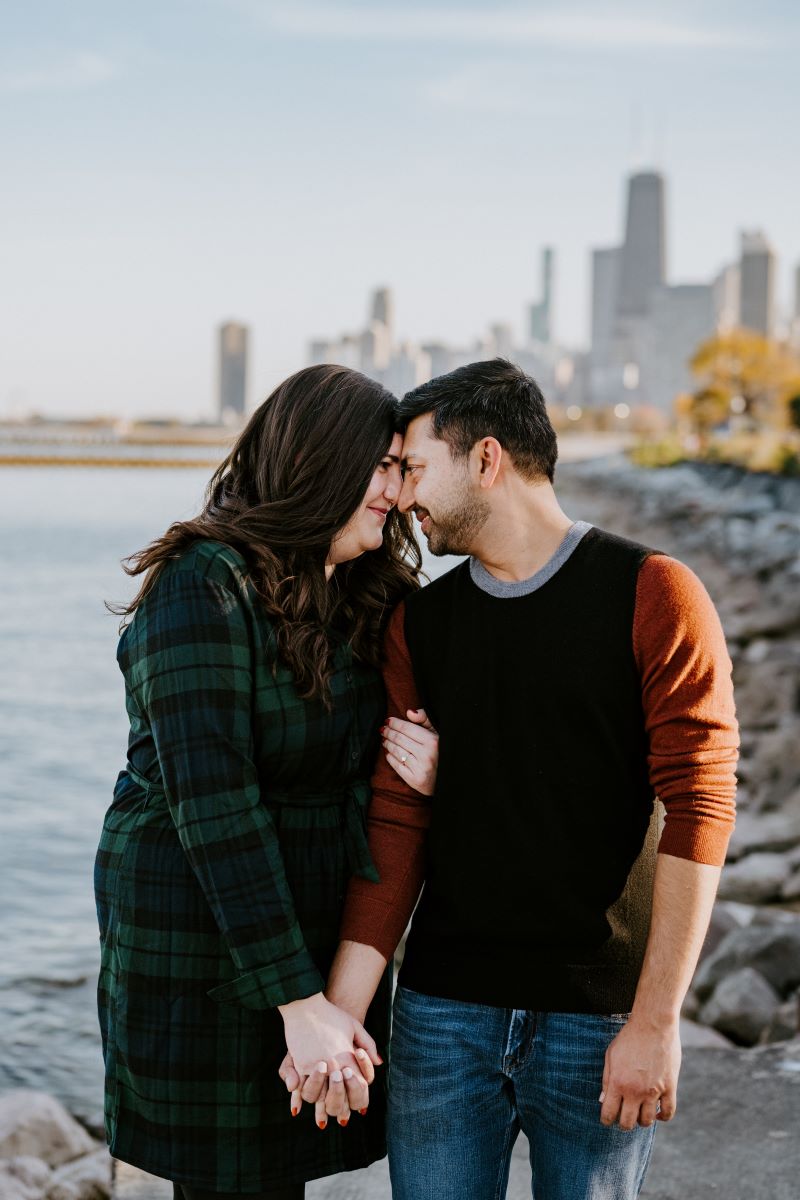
441	491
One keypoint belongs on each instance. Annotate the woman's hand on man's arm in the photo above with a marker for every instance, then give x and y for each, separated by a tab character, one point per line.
412	749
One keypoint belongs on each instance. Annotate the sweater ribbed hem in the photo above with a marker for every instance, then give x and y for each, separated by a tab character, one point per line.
601	988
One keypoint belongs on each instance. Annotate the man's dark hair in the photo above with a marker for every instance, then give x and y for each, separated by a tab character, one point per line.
488	399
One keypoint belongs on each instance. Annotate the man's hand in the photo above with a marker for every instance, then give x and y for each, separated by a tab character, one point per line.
323	1043
640	1078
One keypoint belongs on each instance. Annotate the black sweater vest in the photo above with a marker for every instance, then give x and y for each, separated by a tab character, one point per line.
542	844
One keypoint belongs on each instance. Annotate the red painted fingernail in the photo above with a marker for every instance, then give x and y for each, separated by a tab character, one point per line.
362	1112
343	1121
295	1111
322	1124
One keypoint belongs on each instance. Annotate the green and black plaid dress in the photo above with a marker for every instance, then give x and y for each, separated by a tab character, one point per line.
220	878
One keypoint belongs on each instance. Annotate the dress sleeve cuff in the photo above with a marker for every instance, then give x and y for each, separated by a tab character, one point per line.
291	977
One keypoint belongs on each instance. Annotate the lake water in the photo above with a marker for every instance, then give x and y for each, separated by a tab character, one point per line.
63	733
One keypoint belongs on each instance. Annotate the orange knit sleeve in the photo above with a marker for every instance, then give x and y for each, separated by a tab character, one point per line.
689	711
377	914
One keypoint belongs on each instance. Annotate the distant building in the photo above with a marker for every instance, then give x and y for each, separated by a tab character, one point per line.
727	296
624	279
320	351
681	317
541	313
440	356
602	373
503	338
233	340
409	367
376	348
643	255
383	308
605	289
757	266
400	367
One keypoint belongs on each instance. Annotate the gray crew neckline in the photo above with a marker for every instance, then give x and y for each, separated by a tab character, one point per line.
523	587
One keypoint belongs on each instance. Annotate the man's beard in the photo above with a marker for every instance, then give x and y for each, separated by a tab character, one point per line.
453	530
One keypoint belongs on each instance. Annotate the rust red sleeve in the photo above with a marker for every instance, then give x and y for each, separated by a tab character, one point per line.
377	914
689	711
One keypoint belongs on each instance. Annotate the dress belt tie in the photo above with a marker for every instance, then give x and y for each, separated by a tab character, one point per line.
352	798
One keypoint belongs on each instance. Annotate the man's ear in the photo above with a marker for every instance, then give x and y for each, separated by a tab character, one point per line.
490	456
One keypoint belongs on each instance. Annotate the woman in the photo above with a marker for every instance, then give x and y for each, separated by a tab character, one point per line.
255	701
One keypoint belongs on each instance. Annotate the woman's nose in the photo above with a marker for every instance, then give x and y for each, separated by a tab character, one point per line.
394	483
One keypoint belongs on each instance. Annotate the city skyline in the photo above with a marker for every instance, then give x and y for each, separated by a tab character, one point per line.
274	163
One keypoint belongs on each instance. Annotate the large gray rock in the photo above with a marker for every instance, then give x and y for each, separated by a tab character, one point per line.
773	949
766	688
36	1125
771	771
771	831
725	917
132	1184
756	879
786	1022
702	1037
24	1178
86	1179
791	885
742	1006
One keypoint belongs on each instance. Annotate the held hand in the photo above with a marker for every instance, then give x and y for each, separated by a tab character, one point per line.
322	1040
412	749
641	1074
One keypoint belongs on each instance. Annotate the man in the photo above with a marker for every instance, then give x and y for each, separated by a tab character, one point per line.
573	676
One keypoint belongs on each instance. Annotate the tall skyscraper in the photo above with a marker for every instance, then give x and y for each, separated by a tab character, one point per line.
541	313
643	257
382	308
603	370
605	288
757	267
232	369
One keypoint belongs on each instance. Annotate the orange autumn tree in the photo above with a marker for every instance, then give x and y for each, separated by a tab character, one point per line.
744	373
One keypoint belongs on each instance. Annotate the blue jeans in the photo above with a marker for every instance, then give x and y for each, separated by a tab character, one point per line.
465	1078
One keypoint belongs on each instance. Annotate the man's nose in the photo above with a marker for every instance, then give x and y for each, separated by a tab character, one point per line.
406	500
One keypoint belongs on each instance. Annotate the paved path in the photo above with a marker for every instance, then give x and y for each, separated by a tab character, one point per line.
737	1136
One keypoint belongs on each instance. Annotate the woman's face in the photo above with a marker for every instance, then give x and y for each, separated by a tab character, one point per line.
364	530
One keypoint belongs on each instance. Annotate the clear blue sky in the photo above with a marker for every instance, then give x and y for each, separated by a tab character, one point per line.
171	163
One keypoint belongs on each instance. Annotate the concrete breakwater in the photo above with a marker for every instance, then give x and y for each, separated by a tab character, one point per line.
741	533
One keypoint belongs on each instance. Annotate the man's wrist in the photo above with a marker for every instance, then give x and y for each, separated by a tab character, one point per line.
655	1017
348	1004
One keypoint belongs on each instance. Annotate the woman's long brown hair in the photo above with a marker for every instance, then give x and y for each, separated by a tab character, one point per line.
298	472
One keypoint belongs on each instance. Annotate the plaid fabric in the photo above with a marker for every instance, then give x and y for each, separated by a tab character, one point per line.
220	879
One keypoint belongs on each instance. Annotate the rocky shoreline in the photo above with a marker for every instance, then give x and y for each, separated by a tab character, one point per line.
46	1155
741	533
